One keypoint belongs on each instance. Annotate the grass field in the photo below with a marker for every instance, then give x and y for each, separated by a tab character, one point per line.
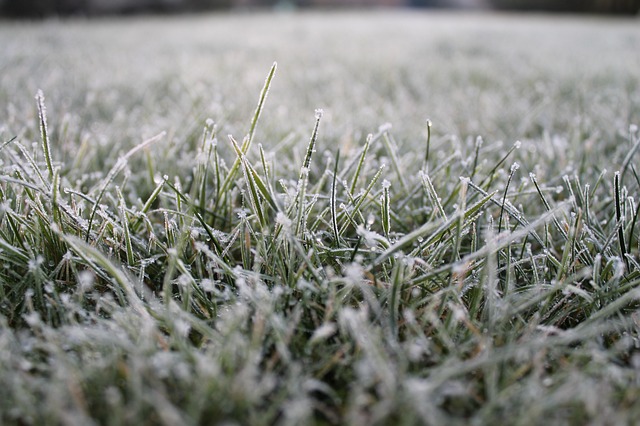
415	218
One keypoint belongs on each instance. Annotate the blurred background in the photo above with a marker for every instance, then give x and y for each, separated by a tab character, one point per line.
45	8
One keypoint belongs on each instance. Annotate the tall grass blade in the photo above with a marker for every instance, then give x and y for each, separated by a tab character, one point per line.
392	148
334	214
363	156
386	208
261	102
427	150
620	226
504	196
44	131
246	144
122	208
311	148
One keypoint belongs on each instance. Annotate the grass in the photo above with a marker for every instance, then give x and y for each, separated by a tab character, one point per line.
181	245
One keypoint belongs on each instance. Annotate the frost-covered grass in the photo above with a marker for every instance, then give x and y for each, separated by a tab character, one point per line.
320	266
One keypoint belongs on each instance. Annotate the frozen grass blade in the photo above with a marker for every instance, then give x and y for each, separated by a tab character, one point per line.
504	196
462	207
246	144
5	144
436	229
311	148
533	178
268	189
392	148
251	184
476	156
334	214
55	196
633	130
44	132
363	156
363	196
96	260
115	170
385	208
619	219
395	292
635	216
428	147
122	208
509	209
300	204
433	195
208	139
261	102
147	205
491	175
33	165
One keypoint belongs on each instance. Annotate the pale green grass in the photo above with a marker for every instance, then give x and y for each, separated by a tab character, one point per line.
186	238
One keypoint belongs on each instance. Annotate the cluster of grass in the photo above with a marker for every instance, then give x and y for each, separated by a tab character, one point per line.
376	280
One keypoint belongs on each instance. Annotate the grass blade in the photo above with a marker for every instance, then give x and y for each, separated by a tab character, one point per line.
618	203
44	131
334	215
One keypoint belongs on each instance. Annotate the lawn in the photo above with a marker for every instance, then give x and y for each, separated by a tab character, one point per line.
320	218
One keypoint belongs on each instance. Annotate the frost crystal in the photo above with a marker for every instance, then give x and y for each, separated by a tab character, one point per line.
182	327
86	279
34	264
283	220
324	332
384	128
354	272
207	285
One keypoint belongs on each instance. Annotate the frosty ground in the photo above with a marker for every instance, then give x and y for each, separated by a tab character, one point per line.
427	218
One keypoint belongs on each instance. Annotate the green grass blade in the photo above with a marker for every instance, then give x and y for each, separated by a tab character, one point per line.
122	208
44	131
619	220
334	214
246	144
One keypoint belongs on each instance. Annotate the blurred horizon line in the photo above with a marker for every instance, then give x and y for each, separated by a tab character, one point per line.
48	8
